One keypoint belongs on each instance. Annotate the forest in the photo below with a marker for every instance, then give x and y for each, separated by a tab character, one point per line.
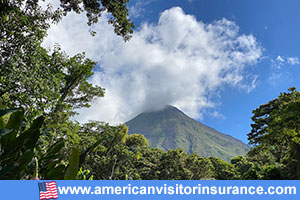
41	90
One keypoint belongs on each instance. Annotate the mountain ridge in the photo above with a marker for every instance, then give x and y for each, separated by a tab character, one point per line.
170	128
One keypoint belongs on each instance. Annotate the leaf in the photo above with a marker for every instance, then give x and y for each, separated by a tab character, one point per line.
4	173
21	164
9	142
56	173
2	123
4	112
87	151
32	135
8	139
55	148
4	131
72	169
25	158
15	120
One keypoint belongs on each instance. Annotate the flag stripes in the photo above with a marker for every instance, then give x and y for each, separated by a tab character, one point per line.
48	190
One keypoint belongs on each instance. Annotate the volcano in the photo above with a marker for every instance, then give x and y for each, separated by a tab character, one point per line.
170	128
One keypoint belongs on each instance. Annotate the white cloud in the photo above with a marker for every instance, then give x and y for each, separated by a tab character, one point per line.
283	60
293	60
178	61
138	9
217	115
280	59
275	77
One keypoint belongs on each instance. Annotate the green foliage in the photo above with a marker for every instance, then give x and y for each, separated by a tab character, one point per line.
22	158
246	170
85	175
111	159
275	132
23	26
72	170
272	172
201	168
17	145
119	156
136	141
172	166
39	140
117	10
21	32
147	162
48	84
108	152
42	82
223	170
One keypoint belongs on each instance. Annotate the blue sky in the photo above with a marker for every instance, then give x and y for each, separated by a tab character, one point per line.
216	60
276	26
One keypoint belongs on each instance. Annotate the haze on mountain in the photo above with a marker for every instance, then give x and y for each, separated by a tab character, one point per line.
170	128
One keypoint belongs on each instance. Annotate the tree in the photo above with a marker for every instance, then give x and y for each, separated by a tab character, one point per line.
276	129
94	8
21	157
52	85
117	10
116	153
246	169
172	166
48	84
201	168
16	145
31	76
23	26
223	170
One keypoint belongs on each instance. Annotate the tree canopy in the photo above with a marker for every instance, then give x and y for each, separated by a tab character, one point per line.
117	10
41	89
276	131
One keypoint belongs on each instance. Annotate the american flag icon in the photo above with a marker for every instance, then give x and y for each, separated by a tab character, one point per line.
48	190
